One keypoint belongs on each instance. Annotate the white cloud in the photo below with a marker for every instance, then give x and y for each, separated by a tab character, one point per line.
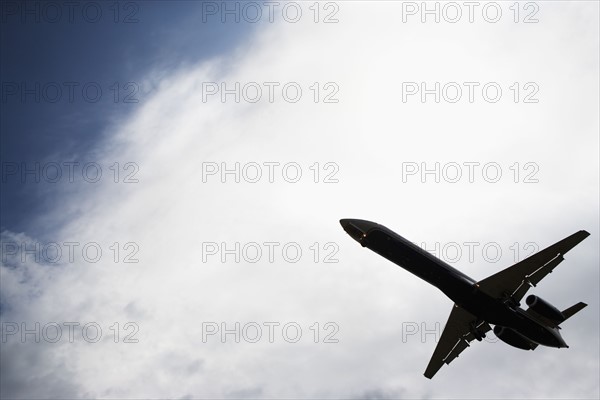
368	134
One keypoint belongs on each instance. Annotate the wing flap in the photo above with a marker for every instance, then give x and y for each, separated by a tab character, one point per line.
463	343
457	334
534	278
513	282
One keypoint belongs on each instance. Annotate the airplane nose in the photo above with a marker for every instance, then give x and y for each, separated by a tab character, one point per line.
357	228
344	223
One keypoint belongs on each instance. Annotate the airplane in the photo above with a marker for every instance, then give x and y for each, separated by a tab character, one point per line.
493	300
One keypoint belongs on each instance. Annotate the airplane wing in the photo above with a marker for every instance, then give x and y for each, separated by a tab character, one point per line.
513	282
457	334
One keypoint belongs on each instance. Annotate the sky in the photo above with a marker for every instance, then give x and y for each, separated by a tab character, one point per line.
173	174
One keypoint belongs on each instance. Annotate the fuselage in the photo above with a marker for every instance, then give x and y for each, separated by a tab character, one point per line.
459	287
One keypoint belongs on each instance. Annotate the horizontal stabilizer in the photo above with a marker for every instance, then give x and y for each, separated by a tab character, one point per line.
569	312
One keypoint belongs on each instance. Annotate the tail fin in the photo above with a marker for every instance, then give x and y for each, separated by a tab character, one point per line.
569	312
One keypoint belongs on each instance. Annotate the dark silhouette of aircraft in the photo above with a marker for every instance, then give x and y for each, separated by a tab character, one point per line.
494	300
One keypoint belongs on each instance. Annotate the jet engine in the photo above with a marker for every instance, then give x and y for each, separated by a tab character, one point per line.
513	338
544	308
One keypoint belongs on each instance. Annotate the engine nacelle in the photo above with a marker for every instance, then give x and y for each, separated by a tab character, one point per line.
513	338
544	308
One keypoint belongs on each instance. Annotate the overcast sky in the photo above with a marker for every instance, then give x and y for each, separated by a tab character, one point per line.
173	176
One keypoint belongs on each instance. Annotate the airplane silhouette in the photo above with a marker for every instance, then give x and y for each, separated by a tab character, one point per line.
493	300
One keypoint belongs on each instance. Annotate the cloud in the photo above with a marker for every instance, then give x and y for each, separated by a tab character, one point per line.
170	297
